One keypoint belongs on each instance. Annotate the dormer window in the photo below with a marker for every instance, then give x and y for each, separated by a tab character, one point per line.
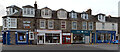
62	14
46	13
28	11
11	10
84	16
101	18
73	15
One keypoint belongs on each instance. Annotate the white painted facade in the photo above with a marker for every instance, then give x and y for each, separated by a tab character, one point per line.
107	26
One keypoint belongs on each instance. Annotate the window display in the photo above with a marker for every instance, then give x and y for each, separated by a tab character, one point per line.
78	38
52	38
21	37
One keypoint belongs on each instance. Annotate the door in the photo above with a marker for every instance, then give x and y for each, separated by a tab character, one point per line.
4	38
40	39
66	40
93	37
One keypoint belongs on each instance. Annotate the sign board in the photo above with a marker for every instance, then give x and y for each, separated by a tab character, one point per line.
26	22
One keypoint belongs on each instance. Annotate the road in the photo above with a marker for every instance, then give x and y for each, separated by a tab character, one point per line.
62	47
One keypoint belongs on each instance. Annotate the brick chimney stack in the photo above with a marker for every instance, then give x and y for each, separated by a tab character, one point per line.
89	11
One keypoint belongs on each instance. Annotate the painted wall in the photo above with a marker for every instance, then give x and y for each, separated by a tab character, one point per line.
107	26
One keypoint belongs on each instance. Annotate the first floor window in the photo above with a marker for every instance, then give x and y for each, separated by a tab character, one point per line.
42	23
84	25
13	23
50	24
4	22
90	25
63	24
74	25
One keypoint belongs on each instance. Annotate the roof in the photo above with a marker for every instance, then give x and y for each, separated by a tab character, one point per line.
28	6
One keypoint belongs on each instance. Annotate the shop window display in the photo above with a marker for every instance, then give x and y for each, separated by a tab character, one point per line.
78	38
52	38
21	37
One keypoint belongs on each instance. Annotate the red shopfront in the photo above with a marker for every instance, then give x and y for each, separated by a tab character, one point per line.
66	38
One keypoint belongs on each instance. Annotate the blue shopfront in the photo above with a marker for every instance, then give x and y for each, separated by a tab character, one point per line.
81	36
21	37
105	36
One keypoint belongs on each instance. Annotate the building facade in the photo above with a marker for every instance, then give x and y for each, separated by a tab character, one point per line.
30	25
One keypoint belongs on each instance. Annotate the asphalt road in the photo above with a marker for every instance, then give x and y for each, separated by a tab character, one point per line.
62	47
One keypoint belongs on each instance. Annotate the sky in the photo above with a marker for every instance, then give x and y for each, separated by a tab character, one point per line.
108	7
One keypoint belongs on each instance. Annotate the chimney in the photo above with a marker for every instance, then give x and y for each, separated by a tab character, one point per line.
35	5
89	11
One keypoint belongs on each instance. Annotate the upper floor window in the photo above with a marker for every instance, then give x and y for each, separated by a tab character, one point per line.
4	22
90	25
50	24
84	25
113	26
103	25
11	11
101	18
46	13
84	16
63	24
28	11
73	15
13	23
62	14
42	24
74	25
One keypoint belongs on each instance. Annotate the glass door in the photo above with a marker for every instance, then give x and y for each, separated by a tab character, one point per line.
40	39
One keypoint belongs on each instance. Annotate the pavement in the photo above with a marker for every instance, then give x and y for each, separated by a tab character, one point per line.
62	47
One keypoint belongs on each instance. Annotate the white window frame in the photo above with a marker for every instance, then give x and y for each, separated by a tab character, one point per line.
63	24
73	25
84	15
90	25
72	15
62	14
46	16
30	36
49	24
103	25
44	23
4	22
15	23
83	24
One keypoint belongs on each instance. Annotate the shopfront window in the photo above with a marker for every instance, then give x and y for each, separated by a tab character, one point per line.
78	38
100	37
21	37
52	38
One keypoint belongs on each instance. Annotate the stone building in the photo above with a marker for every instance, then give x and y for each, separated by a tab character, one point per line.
30	25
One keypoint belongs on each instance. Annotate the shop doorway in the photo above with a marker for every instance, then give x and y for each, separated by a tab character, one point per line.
93	37
40	39
66	39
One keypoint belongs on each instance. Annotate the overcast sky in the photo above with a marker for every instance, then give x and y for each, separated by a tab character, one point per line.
108	7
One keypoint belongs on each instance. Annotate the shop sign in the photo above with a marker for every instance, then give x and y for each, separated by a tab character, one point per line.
66	33
55	38
26	22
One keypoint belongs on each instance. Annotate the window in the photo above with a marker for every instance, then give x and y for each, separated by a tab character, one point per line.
42	24
32	11
31	36
103	25
101	18
73	15
24	10
52	38
63	24
4	22
90	25
84	16
74	25
13	23
50	24
46	13
84	25
28	10
21	37
62	14
113	26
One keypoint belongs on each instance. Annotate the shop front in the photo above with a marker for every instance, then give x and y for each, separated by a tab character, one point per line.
80	36
105	36
66	38
21	37
49	37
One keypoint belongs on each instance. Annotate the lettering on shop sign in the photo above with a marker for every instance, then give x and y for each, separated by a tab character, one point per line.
26	22
26	25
